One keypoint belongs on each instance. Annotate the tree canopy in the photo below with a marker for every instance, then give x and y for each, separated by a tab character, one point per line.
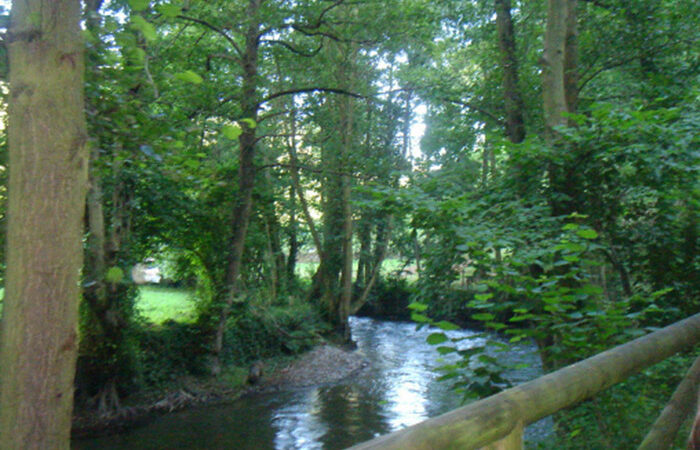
555	190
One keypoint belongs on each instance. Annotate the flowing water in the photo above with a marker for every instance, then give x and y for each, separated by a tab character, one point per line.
397	389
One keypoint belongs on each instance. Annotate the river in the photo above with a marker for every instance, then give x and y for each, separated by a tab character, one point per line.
399	388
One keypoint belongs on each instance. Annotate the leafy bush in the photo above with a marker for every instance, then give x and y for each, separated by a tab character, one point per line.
621	416
262	330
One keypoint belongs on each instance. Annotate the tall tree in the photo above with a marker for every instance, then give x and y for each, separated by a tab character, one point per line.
48	173
514	104
250	106
559	91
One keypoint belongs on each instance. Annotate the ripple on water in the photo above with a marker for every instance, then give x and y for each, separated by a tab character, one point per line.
398	389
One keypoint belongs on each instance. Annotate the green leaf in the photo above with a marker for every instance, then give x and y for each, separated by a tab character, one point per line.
232	131
138	56
443	350
139	5
571	246
587	233
483	317
436	338
521	317
169	10
419	318
416	306
447	326
191	163
189	76
146	28
114	275
483	297
250	122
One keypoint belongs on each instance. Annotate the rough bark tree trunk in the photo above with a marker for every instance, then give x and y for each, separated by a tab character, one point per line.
514	105
559	92
553	59
559	39
246	177
336	259
47	187
571	58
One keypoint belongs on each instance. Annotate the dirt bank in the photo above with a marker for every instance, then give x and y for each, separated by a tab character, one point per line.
322	365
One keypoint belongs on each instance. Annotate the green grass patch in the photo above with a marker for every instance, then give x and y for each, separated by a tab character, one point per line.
390	266
158	304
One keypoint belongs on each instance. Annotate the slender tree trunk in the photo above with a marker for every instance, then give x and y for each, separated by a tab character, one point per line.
514	105
364	235
104	355
246	177
346	277
416	251
571	58
346	189
407	115
380	250
296	183
48	177
293	239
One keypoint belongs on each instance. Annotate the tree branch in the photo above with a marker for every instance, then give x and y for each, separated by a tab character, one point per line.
338	173
216	29
311	89
474	107
291	48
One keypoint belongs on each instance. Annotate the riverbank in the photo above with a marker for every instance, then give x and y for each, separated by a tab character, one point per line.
323	364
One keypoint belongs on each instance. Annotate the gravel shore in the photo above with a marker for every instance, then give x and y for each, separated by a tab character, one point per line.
322	365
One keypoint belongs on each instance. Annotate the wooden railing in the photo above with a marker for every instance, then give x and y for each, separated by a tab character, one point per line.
497	422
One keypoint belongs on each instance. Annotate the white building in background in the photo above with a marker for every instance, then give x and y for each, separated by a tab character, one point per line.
142	274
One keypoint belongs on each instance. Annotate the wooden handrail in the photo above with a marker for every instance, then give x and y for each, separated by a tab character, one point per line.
505	414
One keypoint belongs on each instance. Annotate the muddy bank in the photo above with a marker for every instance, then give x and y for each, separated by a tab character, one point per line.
322	365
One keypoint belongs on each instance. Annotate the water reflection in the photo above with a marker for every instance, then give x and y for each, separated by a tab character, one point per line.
398	389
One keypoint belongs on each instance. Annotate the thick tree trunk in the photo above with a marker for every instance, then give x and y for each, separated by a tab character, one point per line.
47	186
331	258
558	40
337	256
514	105
553	85
560	93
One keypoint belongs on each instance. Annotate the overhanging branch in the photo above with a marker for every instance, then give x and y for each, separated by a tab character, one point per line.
216	29
312	89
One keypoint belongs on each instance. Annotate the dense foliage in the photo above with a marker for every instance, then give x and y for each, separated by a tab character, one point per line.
235	141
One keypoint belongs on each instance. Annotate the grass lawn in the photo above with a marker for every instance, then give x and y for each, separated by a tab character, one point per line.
389	266
158	304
